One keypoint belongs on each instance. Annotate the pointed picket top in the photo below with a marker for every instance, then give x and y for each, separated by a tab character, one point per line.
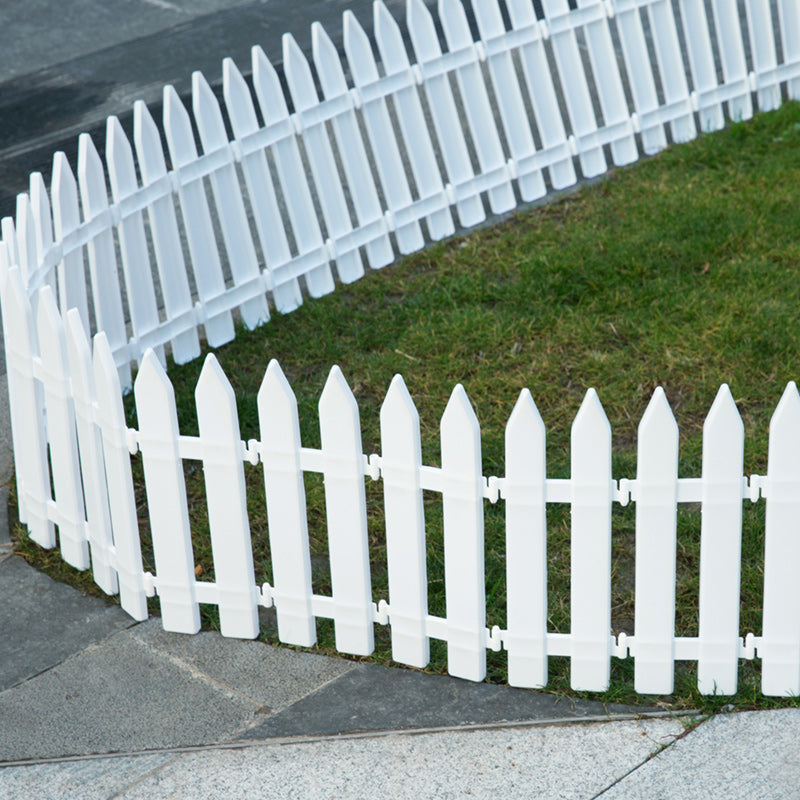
591	424
525	433
398	401
64	187
400	421
337	402
78	344
109	389
42	218
423	31
207	113
489	19
91	177
454	23
723	430
784	433
359	51
152	386
238	100
326	58
50	326
178	129
147	139
460	424
298	74
119	155
275	391
268	88
658	434
9	234
26	236
214	392
521	13
390	39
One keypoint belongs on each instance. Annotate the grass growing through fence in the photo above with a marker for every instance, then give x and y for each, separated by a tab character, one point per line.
680	272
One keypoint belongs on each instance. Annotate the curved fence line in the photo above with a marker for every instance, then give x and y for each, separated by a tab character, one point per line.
128	261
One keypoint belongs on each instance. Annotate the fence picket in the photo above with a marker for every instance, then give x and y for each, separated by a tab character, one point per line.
464	576
292	177
720	546
525	490
269	223
166	497
345	504
609	84
789	15
132	242
731	50
286	508
166	237
33	474
411	119
576	91
406	556
590	548
26	241
110	417
542	95
475	99
236	234
701	63
360	180
780	644
196	215
444	114
66	218
106	296
90	447
382	135
327	181
10	239
60	415
510	104
762	52
42	224
223	471
656	496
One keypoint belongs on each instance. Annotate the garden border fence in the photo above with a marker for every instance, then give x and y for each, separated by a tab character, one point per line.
376	167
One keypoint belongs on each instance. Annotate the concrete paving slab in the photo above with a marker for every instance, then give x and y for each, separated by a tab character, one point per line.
117	697
78	780
371	698
570	762
749	755
42	622
271	677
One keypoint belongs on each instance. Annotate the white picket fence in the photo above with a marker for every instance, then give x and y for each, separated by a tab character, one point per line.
396	153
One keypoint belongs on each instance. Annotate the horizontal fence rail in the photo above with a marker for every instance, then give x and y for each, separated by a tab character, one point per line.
231	209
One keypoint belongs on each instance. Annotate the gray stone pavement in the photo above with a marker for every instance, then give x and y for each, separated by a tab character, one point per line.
93	705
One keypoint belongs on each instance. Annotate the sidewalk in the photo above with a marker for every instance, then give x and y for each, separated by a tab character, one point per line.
94	705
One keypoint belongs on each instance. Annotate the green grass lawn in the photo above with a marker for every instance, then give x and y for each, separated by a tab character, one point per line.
681	271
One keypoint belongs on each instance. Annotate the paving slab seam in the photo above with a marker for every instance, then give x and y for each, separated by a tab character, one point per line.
121	791
282	741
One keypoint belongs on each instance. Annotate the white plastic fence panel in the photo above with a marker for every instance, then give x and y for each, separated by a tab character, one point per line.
575	87
607	79
42	225
671	69
762	51
203	249
132	241
509	97
789	15
780	644
640	75
110	417
269	223
525	491
406	555
223	470
166	497
731	50
27	410
656	496
542	95
26	242
292	177
166	238
242	257
444	114
382	135
345	504
106	296
701	61
60	414
590	549
464	575
327	181
360	181
66	218
475	99
286	508
720	546
98	515
411	119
